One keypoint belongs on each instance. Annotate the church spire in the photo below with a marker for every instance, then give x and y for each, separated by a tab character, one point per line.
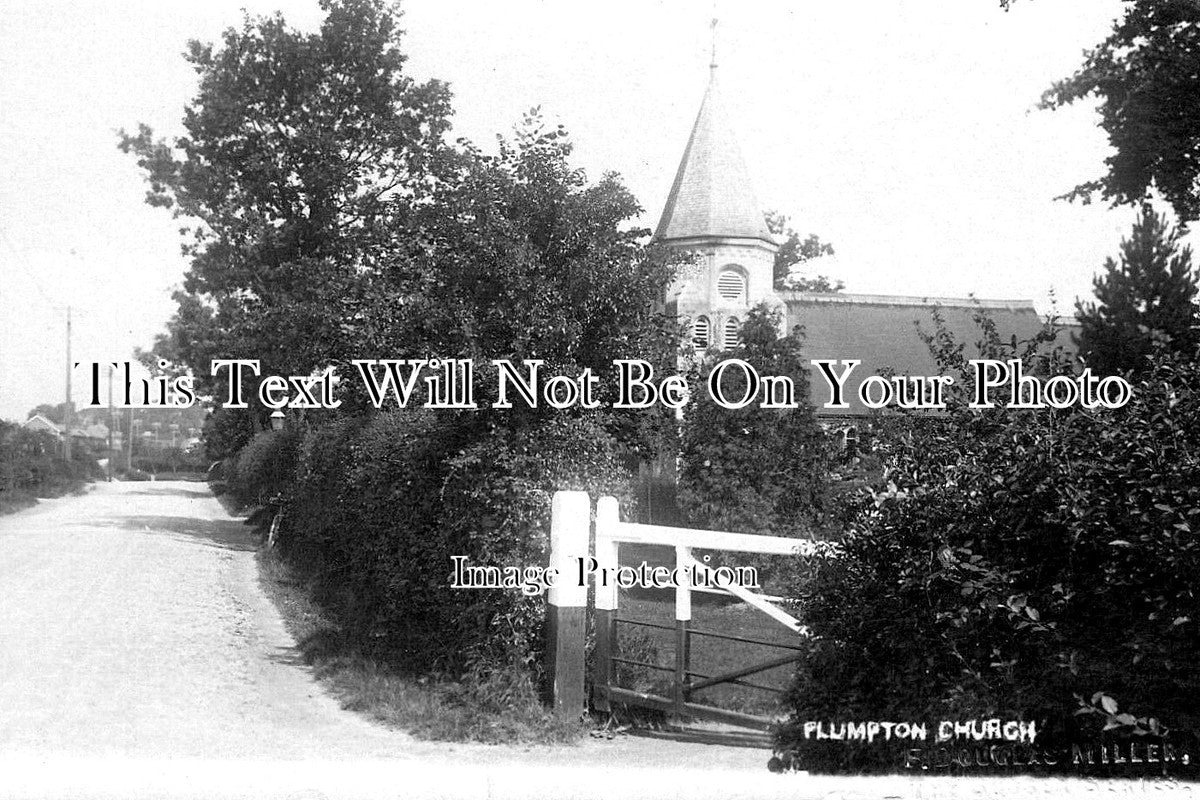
712	197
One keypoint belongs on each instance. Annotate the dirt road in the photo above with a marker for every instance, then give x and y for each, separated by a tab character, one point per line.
140	658
133	625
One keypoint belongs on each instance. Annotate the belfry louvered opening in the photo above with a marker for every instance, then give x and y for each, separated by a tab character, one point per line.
731	335
731	285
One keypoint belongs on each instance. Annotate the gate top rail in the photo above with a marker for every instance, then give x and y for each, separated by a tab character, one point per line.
710	540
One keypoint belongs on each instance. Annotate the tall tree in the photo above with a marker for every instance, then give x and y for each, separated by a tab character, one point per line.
754	470
301	159
794	250
1148	294
1146	75
55	412
531	261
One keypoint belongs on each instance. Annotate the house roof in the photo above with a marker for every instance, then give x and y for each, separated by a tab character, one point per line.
712	196
882	331
93	431
42	421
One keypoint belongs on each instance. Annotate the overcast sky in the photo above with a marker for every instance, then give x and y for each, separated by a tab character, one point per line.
902	132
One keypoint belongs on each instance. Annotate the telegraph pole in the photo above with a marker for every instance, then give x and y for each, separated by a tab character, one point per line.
111	423
68	413
129	444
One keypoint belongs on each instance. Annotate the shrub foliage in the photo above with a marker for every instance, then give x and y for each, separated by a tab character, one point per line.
31	465
754	470
1018	564
379	509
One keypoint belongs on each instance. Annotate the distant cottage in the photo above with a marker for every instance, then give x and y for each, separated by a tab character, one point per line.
40	422
712	212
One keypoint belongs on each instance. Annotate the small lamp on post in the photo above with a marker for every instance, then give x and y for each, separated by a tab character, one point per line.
277	420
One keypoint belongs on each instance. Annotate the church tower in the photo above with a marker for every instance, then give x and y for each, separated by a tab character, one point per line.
712	212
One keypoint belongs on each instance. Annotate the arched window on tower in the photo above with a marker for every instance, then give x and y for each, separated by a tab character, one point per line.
732	333
701	333
731	285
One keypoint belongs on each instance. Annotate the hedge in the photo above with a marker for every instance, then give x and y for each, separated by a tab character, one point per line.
30	464
265	468
1017	564
378	507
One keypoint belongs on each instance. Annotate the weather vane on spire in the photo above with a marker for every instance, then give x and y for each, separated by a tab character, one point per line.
712	63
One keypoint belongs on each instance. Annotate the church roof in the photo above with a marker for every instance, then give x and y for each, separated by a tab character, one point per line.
712	196
882	332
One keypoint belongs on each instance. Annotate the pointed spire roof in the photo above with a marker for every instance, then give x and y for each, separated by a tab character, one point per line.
712	196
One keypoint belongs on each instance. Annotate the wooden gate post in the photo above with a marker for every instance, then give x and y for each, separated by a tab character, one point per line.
683	618
570	521
608	514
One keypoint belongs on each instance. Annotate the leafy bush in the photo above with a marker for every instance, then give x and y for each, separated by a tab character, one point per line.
265	467
378	509
171	461
225	432
754	470
363	516
496	510
31	464
1017	564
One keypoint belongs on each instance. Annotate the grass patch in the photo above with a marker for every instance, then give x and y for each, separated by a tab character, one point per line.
501	708
14	500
